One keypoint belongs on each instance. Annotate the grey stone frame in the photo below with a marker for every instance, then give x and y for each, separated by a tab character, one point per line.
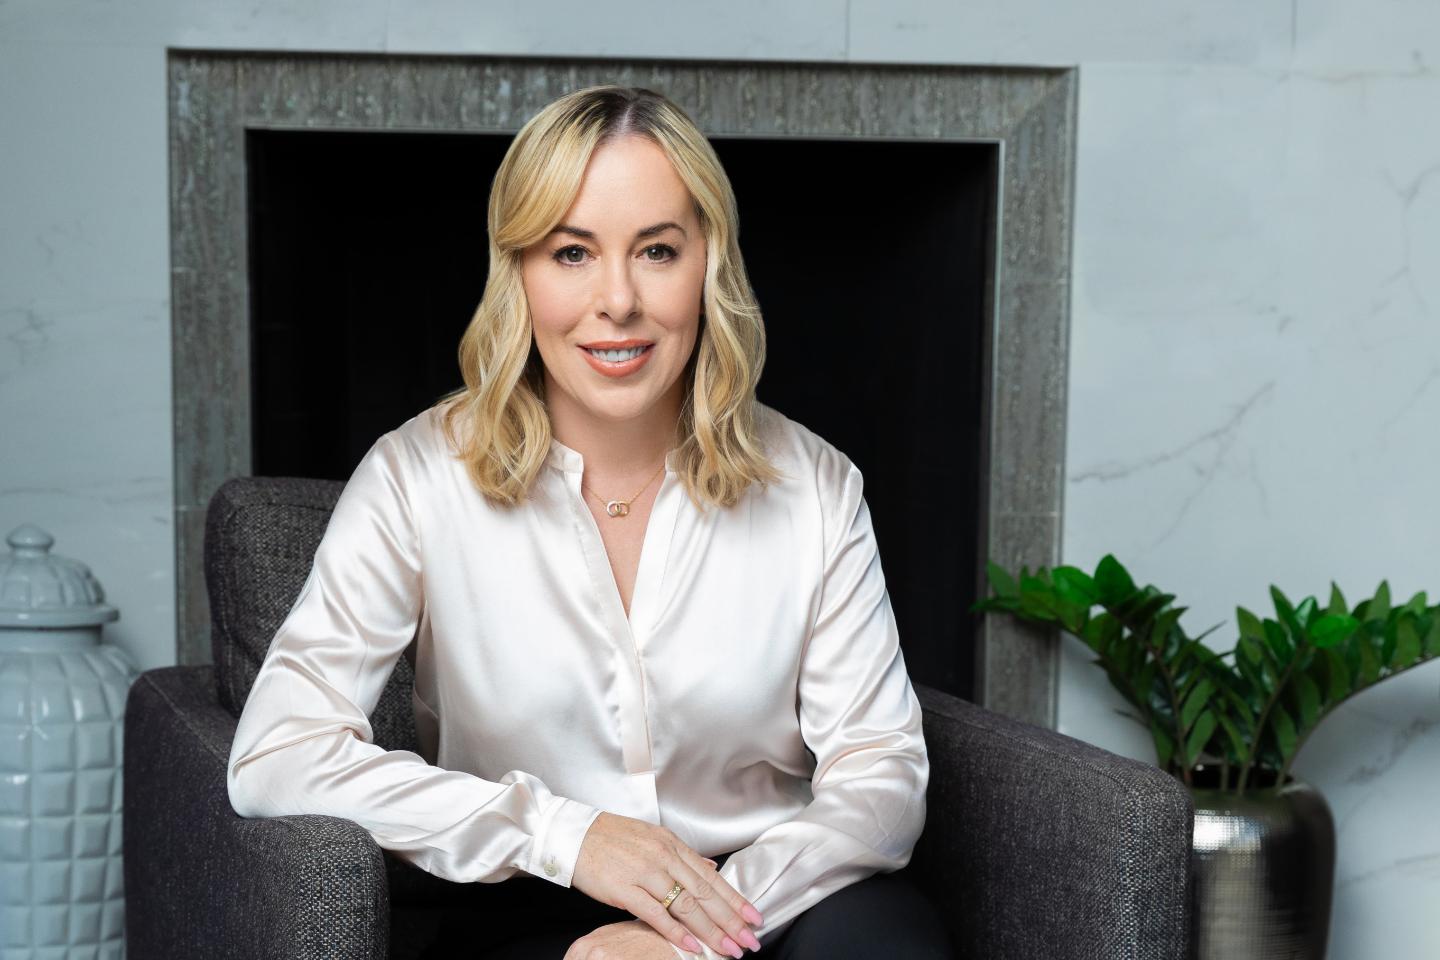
1029	114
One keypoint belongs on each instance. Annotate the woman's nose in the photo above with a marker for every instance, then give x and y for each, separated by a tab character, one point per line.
618	294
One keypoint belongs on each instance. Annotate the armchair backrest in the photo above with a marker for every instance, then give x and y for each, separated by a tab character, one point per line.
261	534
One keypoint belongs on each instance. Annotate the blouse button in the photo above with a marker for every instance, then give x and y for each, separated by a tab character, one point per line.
550	868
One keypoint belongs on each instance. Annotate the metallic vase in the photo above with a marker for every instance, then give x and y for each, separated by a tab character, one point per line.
62	707
1262	872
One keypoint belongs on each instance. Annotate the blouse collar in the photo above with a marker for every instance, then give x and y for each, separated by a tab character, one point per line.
568	460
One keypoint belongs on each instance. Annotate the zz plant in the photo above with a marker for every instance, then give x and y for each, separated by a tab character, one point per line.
1250	708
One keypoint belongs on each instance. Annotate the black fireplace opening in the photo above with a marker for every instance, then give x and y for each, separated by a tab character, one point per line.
367	257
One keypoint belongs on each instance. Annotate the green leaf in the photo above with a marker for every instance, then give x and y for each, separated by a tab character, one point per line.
1308	695
1113	581
1242	709
1305	613
1237	741
1164	745
1337	675
1407	644
1249	624
1432	637
1378	606
1164	623
1279	643
1416	605
1149	607
1001	580
1094	634
1199	736
1368	670
1076	587
1284	727
1194	703
1286	612
1337	601
1392	638
1332	628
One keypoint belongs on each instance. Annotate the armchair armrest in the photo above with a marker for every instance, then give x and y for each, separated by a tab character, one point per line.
1037	844
202	881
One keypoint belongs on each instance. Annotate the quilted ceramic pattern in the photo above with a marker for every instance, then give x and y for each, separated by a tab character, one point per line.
61	879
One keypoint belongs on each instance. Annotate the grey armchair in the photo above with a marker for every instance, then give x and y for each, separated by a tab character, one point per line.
1036	845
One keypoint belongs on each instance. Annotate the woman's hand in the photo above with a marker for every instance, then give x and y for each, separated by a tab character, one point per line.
632	864
628	940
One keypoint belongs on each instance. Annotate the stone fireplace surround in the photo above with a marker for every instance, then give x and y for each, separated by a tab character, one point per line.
1029	114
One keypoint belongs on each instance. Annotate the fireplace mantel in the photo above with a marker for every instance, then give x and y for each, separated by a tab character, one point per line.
1029	114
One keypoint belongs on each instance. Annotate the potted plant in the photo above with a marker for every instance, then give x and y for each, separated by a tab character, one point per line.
1230	724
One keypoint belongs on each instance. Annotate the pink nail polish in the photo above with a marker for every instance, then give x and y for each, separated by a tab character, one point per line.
692	944
750	940
751	914
732	948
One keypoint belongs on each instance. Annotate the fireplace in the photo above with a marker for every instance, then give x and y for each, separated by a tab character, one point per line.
329	216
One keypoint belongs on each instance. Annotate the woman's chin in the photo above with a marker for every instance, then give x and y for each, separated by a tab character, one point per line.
617	409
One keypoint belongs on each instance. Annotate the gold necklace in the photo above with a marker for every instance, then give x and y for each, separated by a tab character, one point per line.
621	508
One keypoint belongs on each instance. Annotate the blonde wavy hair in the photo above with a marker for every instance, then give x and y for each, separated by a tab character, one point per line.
503	399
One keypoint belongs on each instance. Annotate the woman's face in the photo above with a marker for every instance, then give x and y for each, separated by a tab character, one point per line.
625	268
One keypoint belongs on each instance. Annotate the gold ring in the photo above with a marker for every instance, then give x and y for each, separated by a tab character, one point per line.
674	892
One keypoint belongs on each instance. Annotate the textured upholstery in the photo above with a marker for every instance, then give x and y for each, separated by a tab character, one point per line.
1036	845
260	538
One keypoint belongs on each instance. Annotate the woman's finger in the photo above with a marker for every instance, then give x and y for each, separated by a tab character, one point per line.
710	885
645	906
702	909
739	904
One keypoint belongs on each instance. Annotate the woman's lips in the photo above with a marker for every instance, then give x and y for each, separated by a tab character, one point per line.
621	369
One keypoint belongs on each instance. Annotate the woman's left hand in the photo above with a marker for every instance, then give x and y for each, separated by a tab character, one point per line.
627	940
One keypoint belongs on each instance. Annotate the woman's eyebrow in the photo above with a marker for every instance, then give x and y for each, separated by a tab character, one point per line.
649	231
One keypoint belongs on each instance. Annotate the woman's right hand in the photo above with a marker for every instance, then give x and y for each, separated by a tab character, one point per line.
632	864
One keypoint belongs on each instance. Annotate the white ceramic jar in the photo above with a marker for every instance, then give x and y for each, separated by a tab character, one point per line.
62	708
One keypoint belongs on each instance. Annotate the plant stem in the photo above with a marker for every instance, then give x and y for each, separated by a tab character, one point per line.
1186	775
1260	724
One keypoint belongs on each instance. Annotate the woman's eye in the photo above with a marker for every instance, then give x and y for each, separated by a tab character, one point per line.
563	255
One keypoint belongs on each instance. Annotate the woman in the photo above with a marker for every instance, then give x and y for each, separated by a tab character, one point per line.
649	621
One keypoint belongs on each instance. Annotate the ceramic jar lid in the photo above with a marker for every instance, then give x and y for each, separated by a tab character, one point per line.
39	589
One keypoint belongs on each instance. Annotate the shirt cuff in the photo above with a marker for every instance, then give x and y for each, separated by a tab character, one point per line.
556	846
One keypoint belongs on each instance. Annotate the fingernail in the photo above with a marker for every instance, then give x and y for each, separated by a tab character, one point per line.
711	862
732	948
751	914
692	944
750	940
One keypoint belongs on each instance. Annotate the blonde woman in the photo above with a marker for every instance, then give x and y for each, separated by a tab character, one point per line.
658	685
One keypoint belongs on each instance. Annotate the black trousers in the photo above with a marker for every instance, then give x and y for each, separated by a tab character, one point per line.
884	915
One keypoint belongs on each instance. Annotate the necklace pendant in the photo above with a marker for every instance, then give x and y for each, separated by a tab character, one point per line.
617	508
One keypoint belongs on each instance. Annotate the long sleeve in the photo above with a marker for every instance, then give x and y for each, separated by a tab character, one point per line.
861	719
304	744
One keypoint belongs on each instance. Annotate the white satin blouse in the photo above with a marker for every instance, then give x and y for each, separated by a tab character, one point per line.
754	700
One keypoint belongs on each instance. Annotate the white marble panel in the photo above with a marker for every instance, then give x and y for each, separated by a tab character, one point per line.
1340	38
1255	379
84	171
268	24
85	440
748	29
1041	32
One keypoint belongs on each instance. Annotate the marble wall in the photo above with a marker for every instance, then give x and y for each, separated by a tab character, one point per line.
1255	309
